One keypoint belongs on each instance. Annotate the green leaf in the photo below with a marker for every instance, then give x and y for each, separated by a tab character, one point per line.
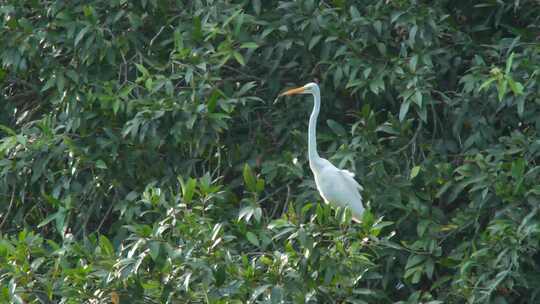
249	45
50	82
48	219
443	189
197	33
486	83
516	87
257	214
518	169
418	98
404	109
12	289
422	112
238	24
456	191
338	75
422	227
509	64
376	85
355	14
336	127
188	189
501	88
154	247
246	213
101	164
239	58
72	75
212	101
377	25
249	179
260	185
314	40
381	47
81	34
414	172
395	16
216	231
106	245
414	260
413	62
187	281
429	268
245	88
520	102
142	69
276	295
252	238
256	6
8	130
258	291
387	128
412	35
60	82
278	223
21	139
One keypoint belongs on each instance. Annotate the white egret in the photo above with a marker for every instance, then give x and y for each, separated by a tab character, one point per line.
336	186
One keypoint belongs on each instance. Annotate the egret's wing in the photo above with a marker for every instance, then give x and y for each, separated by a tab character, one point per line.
348	176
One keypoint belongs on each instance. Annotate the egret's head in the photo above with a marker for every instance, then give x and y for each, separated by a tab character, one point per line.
309	88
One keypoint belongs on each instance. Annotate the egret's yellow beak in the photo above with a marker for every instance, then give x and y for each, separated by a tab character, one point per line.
299	90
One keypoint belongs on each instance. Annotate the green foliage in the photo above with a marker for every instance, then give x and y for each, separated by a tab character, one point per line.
143	156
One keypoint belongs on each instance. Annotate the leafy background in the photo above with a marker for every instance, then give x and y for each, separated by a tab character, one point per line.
143	159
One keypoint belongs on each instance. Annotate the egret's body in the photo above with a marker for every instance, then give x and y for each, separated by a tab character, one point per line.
336	186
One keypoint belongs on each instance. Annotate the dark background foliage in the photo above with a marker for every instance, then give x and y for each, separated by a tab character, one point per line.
144	161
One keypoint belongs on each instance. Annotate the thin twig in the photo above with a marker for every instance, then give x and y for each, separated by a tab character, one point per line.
276	205
242	73
413	140
104	218
154	38
286	205
272	194
9	208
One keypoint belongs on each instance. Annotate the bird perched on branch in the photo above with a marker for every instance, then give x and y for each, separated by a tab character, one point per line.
336	186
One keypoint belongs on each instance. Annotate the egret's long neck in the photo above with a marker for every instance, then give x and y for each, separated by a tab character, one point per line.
312	138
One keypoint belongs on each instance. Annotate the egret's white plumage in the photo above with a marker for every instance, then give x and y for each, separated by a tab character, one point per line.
336	186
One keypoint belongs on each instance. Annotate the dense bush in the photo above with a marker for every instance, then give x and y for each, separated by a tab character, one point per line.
144	161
